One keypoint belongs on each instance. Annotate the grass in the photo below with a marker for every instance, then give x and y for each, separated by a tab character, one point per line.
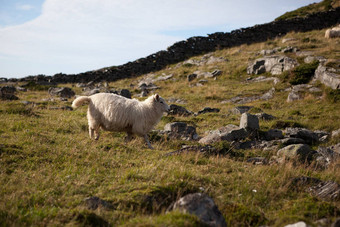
48	164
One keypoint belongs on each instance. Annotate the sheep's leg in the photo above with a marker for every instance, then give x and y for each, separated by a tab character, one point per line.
96	133
129	137
91	131
146	138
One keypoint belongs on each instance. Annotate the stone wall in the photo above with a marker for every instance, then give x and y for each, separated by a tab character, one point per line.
193	46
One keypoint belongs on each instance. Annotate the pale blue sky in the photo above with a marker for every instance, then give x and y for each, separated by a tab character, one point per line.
73	36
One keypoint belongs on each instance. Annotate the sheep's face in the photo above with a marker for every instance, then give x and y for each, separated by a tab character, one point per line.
160	103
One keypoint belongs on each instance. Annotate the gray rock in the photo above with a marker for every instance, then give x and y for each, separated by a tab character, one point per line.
191	77
302	133
328	78
289	141
310	59
203	207
216	73
329	191
268	95
208	110
301	152
298	224
294	96
258	160
287	40
63	92
249	122
22	89
240	109
7	93
273	134
179	110
228	133
326	156
265	116
180	130
91	92
273	64
336	133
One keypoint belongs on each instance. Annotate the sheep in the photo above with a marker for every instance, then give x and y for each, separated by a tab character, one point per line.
113	112
333	33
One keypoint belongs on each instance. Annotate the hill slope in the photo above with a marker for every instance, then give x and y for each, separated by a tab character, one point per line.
49	166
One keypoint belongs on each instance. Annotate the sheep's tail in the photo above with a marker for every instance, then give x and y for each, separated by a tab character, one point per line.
79	101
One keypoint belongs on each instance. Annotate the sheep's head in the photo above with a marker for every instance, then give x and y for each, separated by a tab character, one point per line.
160	103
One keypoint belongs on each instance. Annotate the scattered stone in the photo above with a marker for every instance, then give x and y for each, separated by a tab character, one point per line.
179	110
268	95
149	86
289	49
176	100
216	73
22	89
258	160
336	133
265	116
294	96
196	149
327	77
229	133
240	109
302	133
191	77
180	130
249	122
289	141
94	203
288	40
91	92
208	110
326	156
7	93
301	152
310	59
273	134
298	224
265	79
63	92
202	206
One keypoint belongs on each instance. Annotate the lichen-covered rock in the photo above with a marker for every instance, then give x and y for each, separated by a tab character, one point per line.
273	64
179	110
227	133
300	152
327	77
203	207
180	130
63	92
249	122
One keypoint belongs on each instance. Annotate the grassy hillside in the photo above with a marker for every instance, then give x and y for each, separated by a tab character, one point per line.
312	8
48	164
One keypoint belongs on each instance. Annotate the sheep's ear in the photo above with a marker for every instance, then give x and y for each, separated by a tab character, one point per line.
157	97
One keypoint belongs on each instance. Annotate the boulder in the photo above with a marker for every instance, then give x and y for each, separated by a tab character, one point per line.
302	133
336	133
265	116
273	64
327	77
291	140
179	110
7	93
258	160
228	133
203	207
208	110
273	134
191	77
301	152
180	130
240	109
63	92
249	122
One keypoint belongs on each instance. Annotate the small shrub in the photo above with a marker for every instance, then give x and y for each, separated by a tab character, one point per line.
303	73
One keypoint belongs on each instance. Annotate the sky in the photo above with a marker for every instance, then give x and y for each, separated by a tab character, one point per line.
74	36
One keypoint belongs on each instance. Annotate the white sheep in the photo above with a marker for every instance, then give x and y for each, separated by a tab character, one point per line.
113	112
333	33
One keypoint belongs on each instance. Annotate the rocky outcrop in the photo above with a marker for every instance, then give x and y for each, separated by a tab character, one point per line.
273	64
328	77
63	92
7	93
228	133
180	130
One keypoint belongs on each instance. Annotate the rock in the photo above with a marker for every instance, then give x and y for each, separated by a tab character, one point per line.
273	64
310	59
216	73
94	203
203	207
63	92
327	77
289	49
265	116
265	79
7	93
267	52
191	77
22	89
91	92
228	133
309	136
208	110
268	95
329	191
293	96
249	122
197	149
179	110
336	133
298	224
326	156
273	134
336	223
148	86
258	160
289	141
125	93
287	40
240	109
302	152
180	130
